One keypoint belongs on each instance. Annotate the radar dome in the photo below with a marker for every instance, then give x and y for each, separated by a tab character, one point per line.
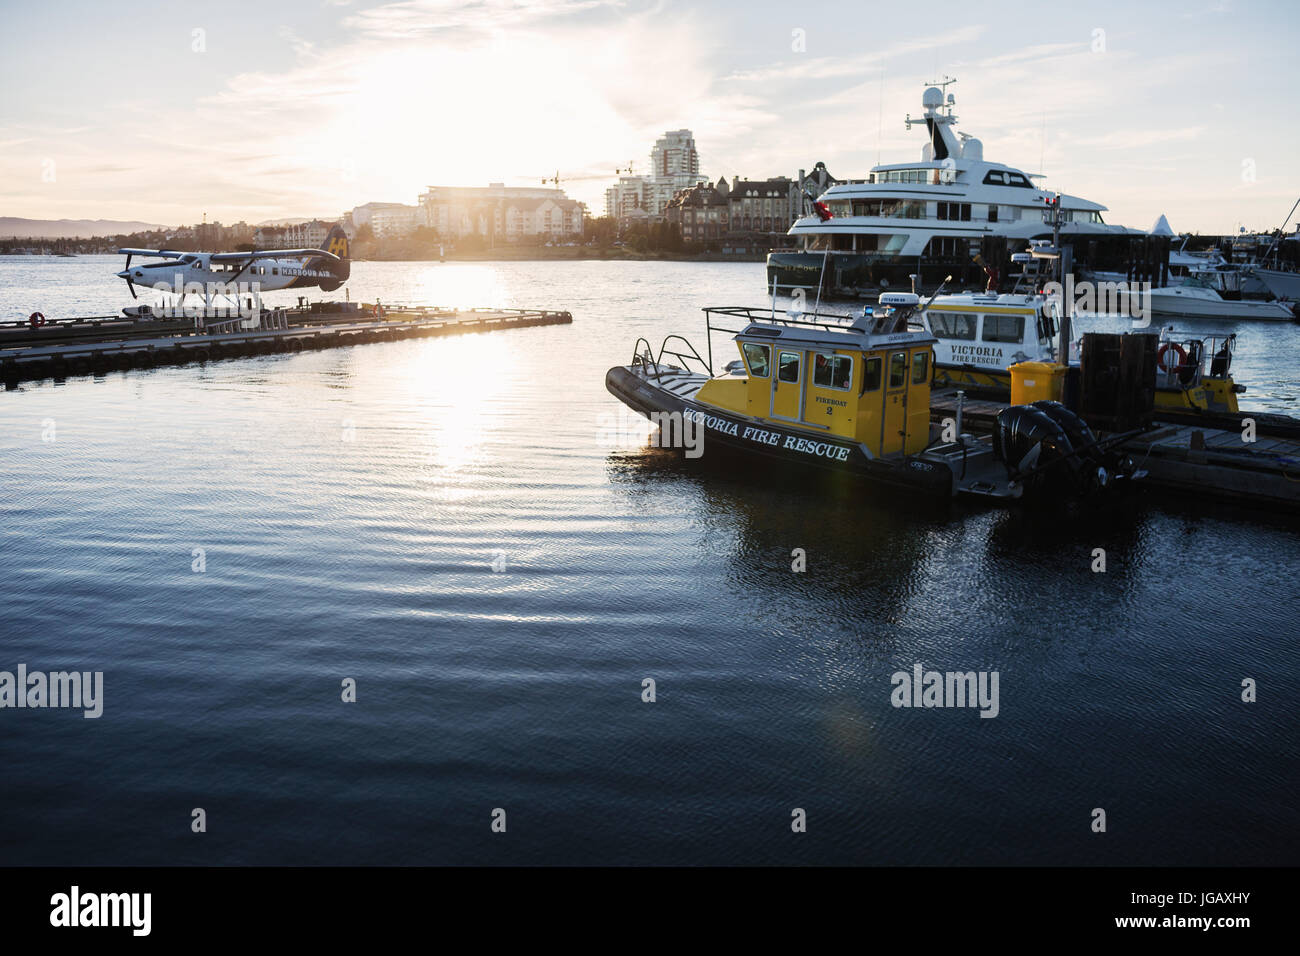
932	98
973	149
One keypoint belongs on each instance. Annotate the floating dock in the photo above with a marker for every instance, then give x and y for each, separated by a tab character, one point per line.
99	344
1201	459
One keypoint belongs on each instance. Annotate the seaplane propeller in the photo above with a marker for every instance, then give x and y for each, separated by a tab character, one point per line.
129	284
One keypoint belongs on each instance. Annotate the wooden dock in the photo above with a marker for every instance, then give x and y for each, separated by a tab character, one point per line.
1202	461
1196	458
102	344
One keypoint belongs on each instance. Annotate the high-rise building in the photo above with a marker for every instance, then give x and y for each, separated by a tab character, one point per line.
674	166
675	155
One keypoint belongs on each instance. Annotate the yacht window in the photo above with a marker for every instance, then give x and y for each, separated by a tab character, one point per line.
953	325
920	367
993	213
787	366
1004	328
897	370
1016	179
832	371
871	375
996	177
756	357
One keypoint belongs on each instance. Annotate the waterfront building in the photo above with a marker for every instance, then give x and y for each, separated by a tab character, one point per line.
386	219
701	212
301	235
500	212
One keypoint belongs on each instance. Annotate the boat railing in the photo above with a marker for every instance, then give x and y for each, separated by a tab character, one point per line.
644	358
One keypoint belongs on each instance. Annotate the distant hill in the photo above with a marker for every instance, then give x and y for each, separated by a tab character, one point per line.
13	227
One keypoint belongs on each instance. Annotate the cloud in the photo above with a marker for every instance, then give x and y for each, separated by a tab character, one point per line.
413	19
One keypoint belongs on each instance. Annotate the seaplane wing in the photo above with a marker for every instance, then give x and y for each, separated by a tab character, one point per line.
161	253
272	254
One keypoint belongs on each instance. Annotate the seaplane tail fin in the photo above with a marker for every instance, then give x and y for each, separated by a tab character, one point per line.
337	243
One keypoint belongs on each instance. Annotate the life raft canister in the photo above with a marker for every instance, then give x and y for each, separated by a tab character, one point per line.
37	319
1164	351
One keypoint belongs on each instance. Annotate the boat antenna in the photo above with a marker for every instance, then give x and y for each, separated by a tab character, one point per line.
1280	231
945	281
1042	144
820	280
880	115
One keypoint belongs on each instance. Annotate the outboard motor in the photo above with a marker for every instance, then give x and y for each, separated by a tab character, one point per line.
1075	428
1037	450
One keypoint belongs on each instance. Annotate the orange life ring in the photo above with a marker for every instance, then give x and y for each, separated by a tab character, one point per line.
1164	350
37	319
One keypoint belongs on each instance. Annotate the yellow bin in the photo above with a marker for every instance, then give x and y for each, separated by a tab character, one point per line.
1035	381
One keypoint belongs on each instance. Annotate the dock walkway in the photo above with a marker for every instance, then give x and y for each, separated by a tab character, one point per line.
105	344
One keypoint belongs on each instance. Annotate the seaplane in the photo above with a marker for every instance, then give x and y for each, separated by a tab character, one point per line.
234	273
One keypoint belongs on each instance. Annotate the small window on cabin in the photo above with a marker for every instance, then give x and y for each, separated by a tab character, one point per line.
275	270
757	357
898	370
787	366
1004	328
832	371
920	367
953	325
871	375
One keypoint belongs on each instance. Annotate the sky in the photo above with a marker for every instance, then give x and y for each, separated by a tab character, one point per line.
169	111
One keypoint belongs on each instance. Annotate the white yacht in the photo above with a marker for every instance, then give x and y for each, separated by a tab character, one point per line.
933	218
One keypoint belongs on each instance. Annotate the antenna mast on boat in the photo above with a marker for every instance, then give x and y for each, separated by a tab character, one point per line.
1281	231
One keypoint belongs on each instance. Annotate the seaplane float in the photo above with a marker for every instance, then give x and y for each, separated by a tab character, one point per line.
851	394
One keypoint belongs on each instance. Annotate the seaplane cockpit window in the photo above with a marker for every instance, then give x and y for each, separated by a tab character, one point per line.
757	358
1004	328
871	375
832	371
787	366
953	325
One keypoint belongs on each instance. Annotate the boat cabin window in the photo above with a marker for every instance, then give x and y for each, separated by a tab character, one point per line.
1004	328
954	210
898	370
787	366
920	367
871	375
953	325
832	371
756	357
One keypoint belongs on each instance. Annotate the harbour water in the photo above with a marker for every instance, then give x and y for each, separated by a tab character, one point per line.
457	525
